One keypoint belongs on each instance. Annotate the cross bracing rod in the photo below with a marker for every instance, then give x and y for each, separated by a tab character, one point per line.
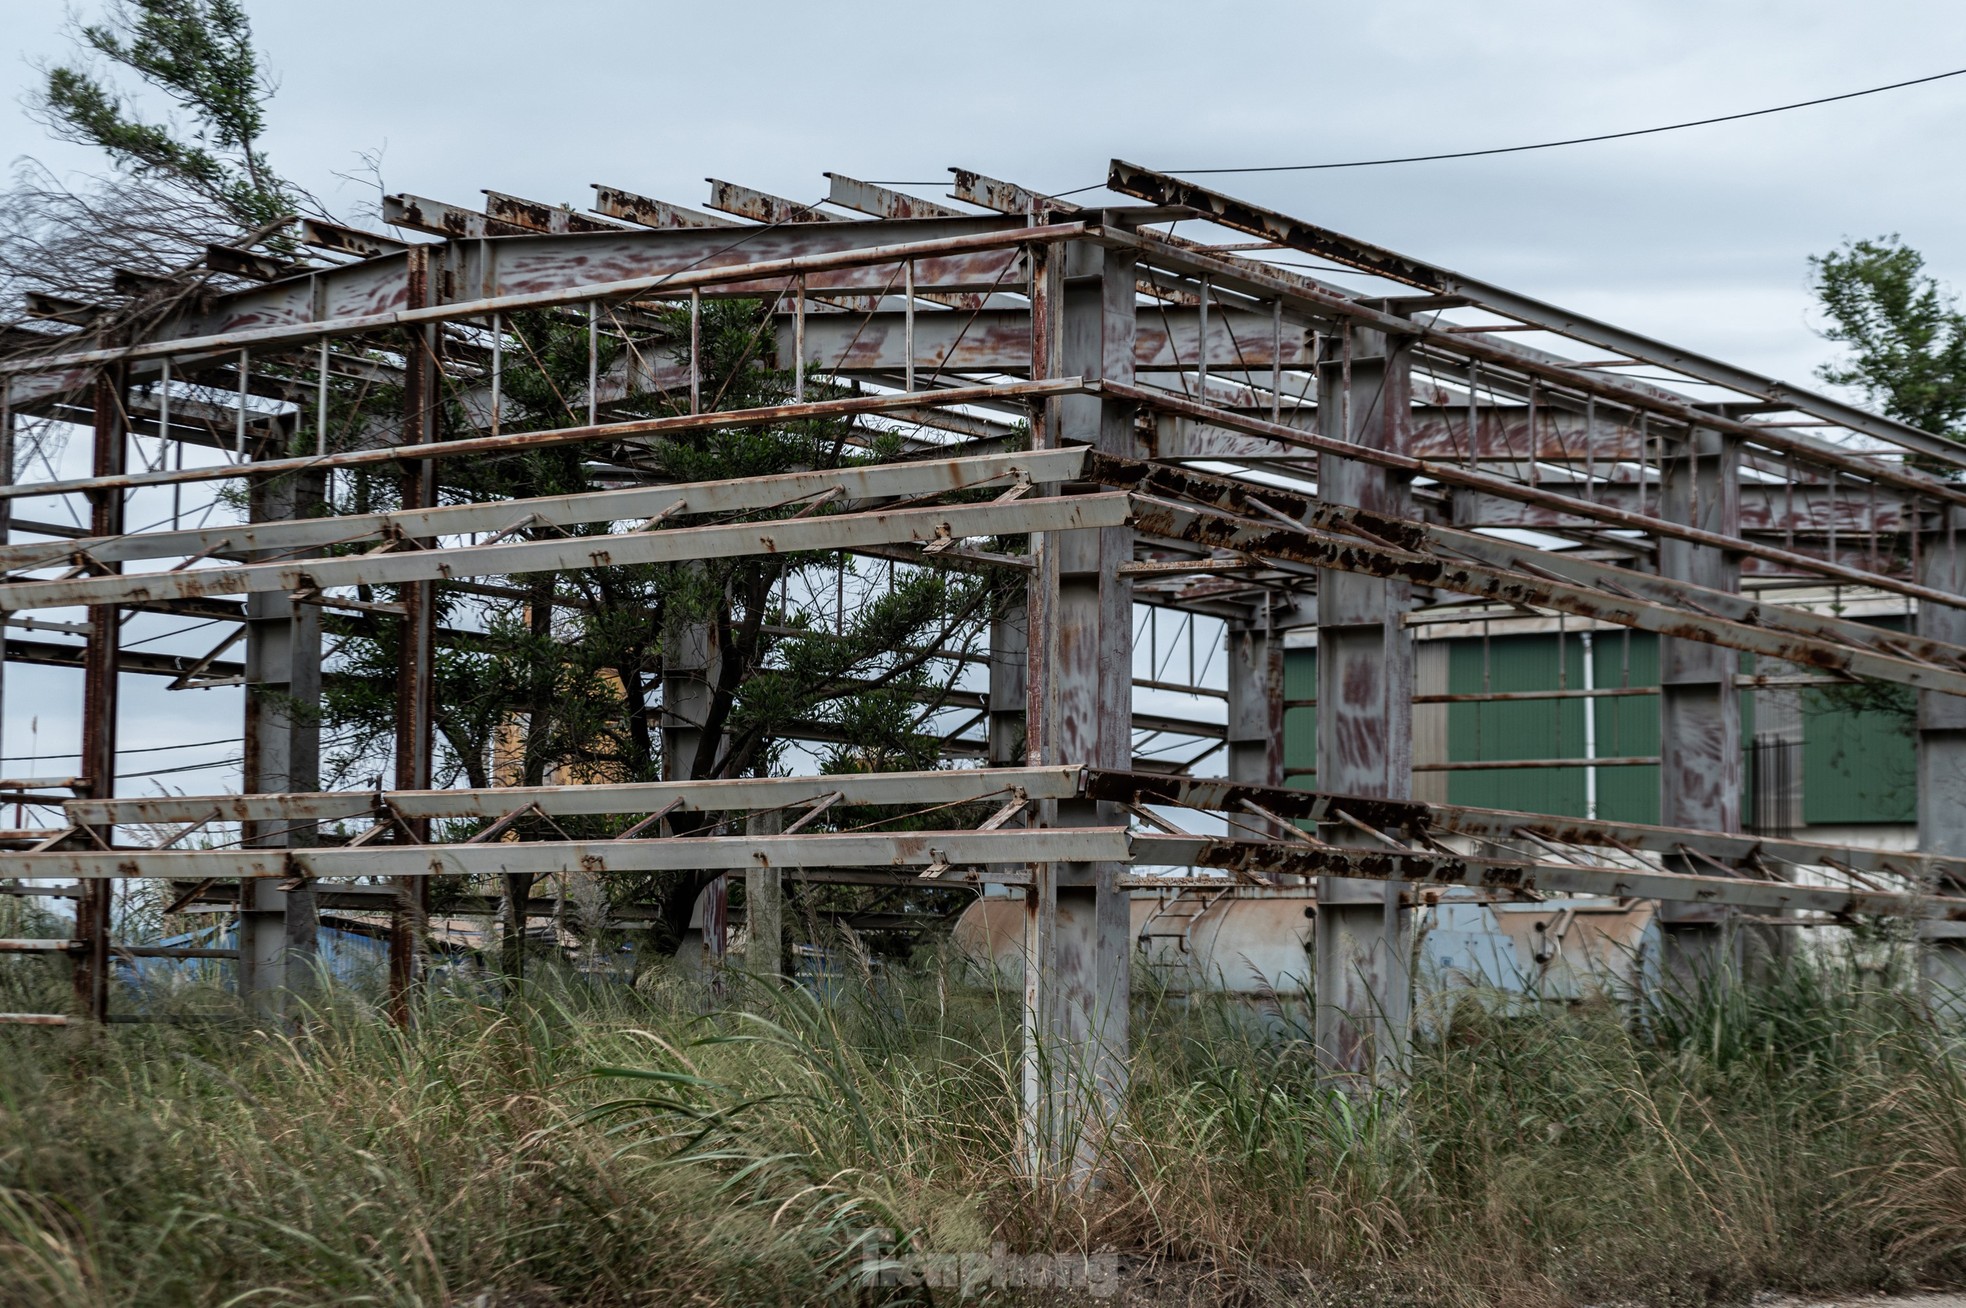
1161	188
616	549
736	795
747	494
638	428
752	277
546	857
1528	875
1450	474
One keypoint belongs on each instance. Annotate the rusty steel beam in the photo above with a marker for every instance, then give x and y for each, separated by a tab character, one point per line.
52	654
843	531
645	212
1799	508
517	441
743	794
985	255
1583	509
545	858
1489	350
1161	188
763	207
1696	602
880	202
1317	549
437	218
680	499
1527	876
999	340
100	678
537	216
1747	850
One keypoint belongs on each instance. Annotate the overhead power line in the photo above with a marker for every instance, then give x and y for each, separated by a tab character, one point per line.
1577	140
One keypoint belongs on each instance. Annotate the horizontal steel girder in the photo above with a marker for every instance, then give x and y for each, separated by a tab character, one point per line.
1744	618
960	848
1519	875
1350	554
742	495
617	549
551	271
544	858
999	340
637	429
743	794
1411	818
1602	514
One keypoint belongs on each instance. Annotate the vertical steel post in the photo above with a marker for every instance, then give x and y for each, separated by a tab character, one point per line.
417	647
6	517
1365	718
691	660
1699	708
764	904
1080	674
1255	735
99	684
908	326
1942	761
1009	658
278	929
696	351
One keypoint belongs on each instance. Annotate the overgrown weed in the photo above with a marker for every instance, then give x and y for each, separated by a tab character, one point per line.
579	1143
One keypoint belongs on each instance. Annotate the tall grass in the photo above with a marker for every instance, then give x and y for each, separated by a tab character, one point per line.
574	1144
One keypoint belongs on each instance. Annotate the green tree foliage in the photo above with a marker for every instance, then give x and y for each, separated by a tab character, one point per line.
1906	338
200	55
1905	333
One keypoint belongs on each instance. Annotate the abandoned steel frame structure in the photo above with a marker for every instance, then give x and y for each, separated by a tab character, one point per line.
1208	432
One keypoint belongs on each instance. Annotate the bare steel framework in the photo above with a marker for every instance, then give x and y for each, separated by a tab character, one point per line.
1211	430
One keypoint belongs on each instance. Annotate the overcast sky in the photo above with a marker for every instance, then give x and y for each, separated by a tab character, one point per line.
1699	237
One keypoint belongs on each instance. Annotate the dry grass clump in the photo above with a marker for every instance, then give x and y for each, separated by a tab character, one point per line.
573	1144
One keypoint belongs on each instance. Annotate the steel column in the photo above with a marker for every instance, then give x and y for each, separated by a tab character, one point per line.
1009	651
1255	737
764	904
417	642
99	686
278	927
1942	758
1080	657
1699	708
1365	715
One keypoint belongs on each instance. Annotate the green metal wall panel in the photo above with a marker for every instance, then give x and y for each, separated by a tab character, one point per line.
1517	729
1627	725
1858	765
1300	724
